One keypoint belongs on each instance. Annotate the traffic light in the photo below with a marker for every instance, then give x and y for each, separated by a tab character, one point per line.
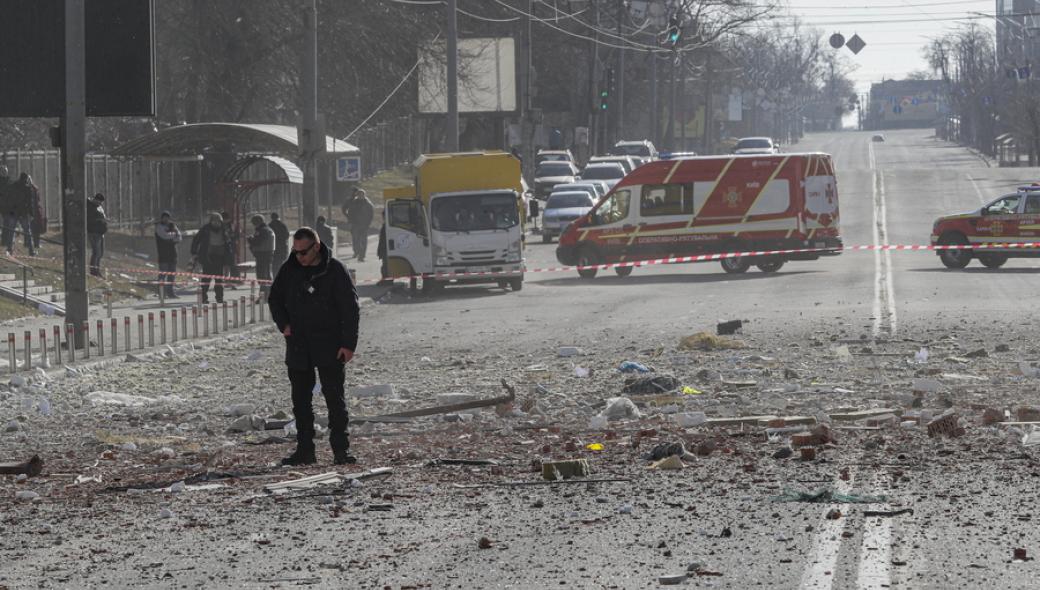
608	89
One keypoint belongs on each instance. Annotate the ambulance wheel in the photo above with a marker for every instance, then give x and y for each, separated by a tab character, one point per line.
516	284
954	258
587	257
770	265
736	265
993	260
623	271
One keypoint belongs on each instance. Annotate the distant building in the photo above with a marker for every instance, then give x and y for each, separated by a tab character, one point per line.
1018	37
904	104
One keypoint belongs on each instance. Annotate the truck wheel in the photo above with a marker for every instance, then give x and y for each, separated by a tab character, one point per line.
736	265
623	271
546	237
993	260
770	265
954	258
587	257
516	284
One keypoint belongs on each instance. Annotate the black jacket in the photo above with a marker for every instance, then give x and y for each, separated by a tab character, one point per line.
323	312
97	222
281	235
166	239
201	249
20	199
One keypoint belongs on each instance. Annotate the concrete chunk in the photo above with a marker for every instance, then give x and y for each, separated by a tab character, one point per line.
554	470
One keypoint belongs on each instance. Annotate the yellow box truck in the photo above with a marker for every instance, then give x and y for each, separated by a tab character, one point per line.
462	221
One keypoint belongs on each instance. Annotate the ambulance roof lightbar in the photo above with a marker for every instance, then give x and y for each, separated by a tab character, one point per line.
1032	187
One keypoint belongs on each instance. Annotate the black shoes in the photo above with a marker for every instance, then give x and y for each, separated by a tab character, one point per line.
300	458
343	458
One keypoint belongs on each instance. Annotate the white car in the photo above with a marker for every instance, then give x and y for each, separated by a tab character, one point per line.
596	188
609	172
643	150
561	209
629	163
549	174
755	145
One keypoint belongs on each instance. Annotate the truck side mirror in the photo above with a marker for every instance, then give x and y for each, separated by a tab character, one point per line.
534	209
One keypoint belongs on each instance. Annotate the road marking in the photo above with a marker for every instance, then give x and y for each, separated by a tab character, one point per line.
884	309
823	557
875	569
982	198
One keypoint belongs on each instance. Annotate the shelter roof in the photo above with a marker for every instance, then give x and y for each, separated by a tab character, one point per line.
197	139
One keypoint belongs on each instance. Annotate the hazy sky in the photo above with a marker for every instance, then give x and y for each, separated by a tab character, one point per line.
894	30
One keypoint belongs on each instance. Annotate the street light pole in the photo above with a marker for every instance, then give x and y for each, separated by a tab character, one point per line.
74	197
312	141
452	122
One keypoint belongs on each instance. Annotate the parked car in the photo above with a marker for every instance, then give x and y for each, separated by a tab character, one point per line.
755	145
549	174
676	155
553	156
597	188
609	172
878	137
629	163
1013	218
561	209
643	149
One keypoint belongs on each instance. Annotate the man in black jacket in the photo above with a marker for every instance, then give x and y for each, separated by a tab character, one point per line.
97	227
315	306
211	248
167	236
281	241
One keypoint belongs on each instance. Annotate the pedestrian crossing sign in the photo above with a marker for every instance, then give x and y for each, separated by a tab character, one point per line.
348	169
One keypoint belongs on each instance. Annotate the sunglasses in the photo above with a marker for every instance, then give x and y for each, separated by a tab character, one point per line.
304	251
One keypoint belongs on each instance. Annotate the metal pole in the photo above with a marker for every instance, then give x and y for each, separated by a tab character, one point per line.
13	366
57	344
70	341
309	86
173	325
100	338
451	131
86	340
184	322
114	333
45	360
162	327
151	330
252	311
74	202
620	77
224	317
126	334
140	332
28	350
654	110
205	321
242	311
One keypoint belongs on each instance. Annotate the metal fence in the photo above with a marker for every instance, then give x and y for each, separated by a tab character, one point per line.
393	143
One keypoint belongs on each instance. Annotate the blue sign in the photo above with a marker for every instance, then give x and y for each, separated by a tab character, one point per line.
897	109
348	169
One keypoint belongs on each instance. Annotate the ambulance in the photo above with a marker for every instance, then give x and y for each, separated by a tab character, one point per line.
712	204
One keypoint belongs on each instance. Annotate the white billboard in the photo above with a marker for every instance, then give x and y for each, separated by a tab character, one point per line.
487	76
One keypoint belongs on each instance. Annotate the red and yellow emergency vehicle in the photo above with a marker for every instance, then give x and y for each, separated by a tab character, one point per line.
712	204
1013	218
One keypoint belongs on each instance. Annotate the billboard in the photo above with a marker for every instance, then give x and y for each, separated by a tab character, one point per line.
487	76
119	58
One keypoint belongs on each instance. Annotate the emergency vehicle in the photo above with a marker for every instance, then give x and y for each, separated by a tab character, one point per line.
712	204
1010	219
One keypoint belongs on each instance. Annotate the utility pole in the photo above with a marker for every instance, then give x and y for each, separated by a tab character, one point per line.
452	123
524	109
655	109
74	197
619	131
312	139
709	106
593	104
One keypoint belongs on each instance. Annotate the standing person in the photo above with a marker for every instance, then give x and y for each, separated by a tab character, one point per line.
39	218
281	241
97	227
359	212
19	212
324	232
315	306
6	198
211	249
167	236
262	244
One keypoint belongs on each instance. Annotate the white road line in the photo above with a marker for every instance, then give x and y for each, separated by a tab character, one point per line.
982	198
875	557
893	321
823	557
884	309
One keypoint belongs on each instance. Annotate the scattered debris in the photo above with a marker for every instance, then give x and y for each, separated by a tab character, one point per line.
30	468
620	408
447	409
554	470
887	513
633	367
649	385
729	327
705	341
946	424
825	496
671	462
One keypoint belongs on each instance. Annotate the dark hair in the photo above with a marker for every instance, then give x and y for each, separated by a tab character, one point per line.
306	233
321	219
275	216
257	219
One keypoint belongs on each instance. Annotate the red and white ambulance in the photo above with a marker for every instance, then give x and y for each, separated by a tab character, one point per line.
713	204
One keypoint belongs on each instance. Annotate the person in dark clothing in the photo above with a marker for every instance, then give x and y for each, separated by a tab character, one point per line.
97	227
38	223
315	306
324	232
281	241
167	236
261	244
18	213
211	249
359	212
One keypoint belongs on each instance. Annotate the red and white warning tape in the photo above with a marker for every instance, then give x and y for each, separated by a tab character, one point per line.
608	266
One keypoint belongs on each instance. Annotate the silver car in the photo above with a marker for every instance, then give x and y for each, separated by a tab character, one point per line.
561	209
609	172
595	188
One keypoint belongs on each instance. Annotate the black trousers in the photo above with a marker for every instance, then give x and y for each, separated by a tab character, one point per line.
213	265
263	269
332	388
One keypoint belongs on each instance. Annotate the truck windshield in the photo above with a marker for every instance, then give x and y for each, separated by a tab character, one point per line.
475	213
554	169
569	200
